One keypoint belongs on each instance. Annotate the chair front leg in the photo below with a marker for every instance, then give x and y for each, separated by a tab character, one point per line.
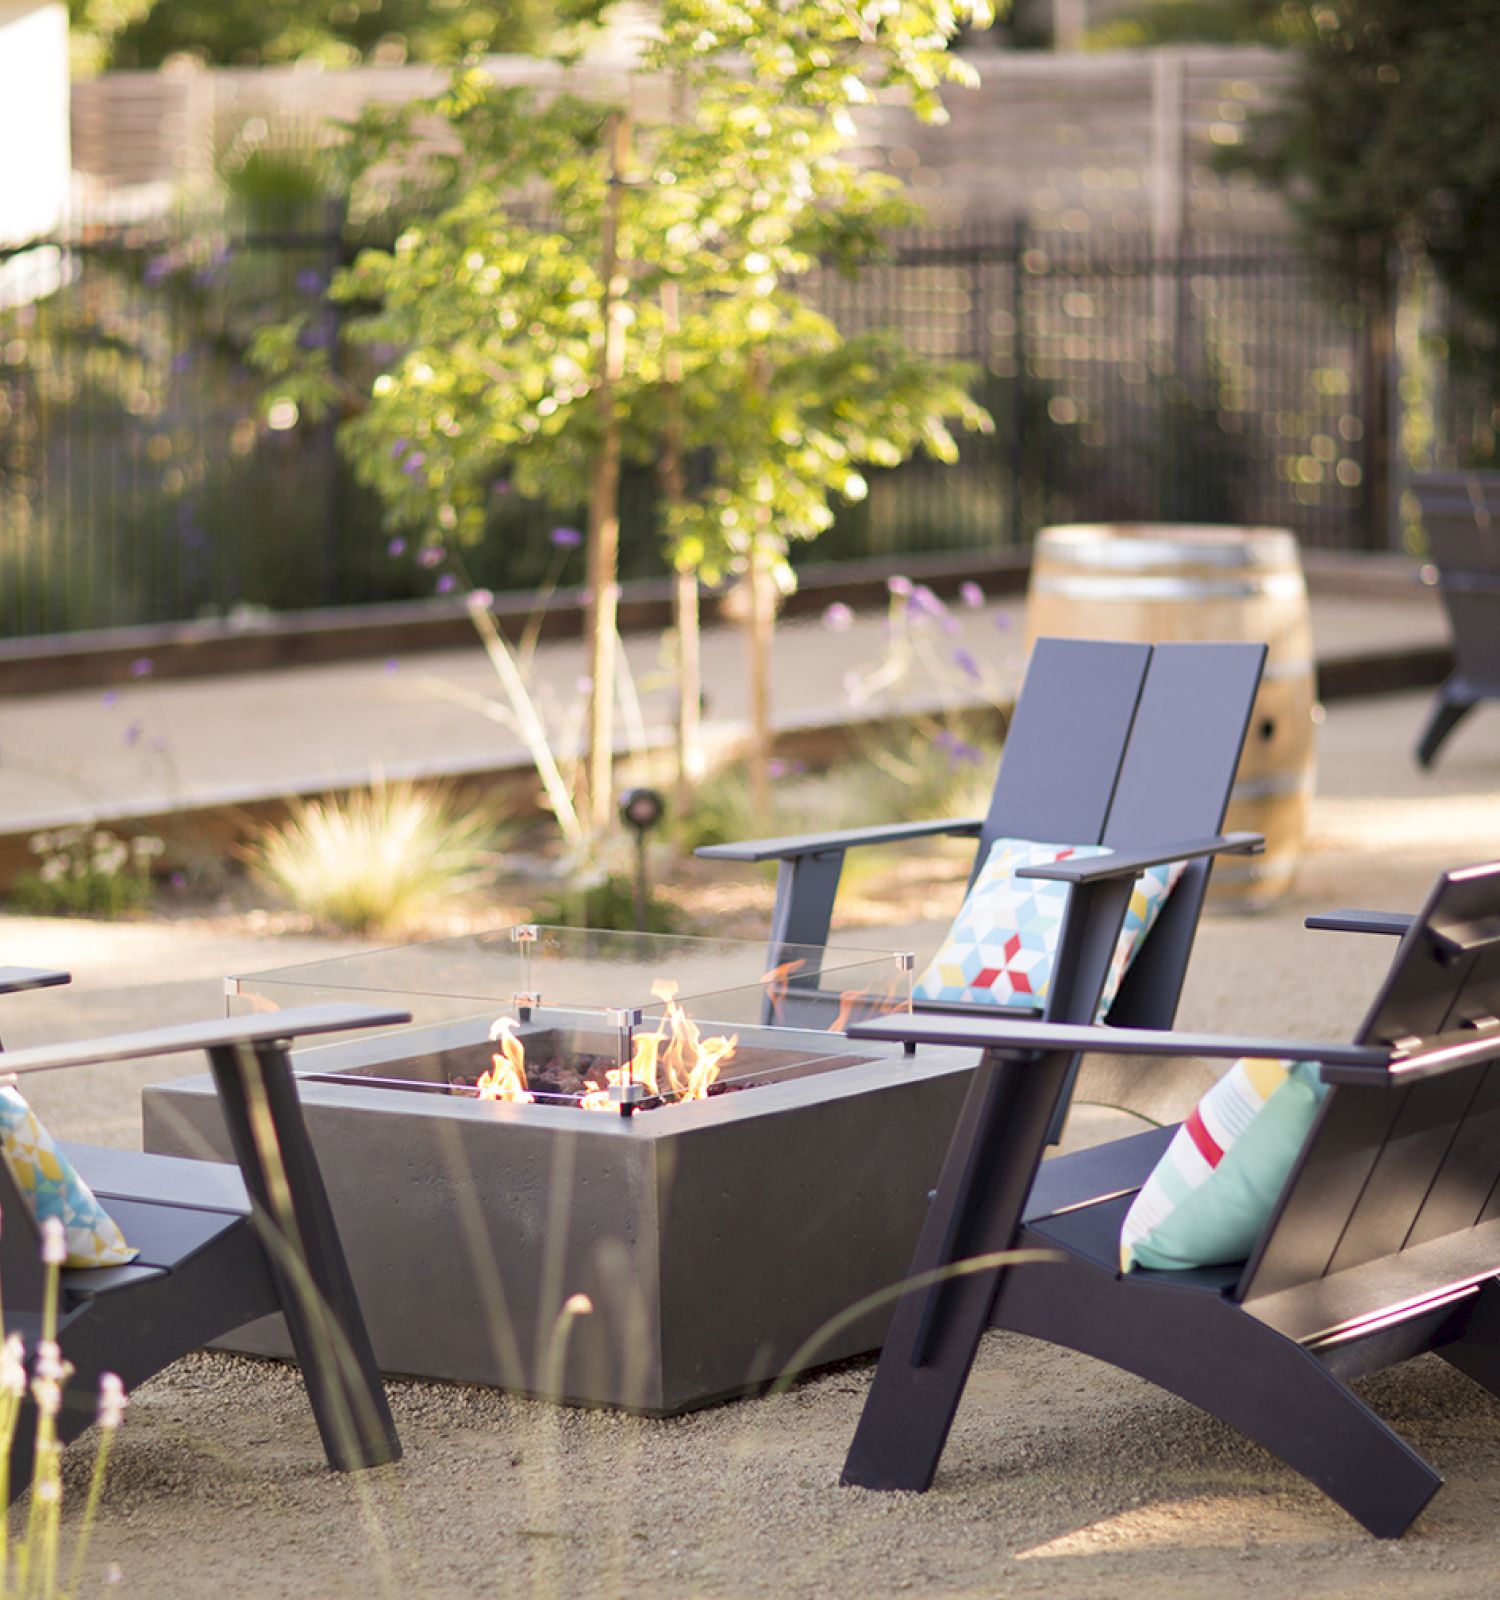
297	1230
976	1211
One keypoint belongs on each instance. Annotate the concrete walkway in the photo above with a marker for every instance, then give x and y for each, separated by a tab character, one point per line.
158	748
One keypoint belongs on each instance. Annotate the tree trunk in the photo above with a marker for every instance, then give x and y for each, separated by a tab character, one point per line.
604	509
684	583
760	632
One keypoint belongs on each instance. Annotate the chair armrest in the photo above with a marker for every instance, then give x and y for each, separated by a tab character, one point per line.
14	979
1130	863
811	844
1424	1058
231	1031
1346	921
995	1033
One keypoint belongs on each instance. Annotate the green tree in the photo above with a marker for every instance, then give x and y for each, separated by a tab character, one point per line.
143	33
1388	137
1157	22
593	282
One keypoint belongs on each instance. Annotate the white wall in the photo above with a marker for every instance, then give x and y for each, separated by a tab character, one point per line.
33	117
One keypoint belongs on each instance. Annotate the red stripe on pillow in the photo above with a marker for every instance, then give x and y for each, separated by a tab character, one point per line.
1201	1137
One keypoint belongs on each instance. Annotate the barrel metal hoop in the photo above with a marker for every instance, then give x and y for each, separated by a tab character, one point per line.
1268	547
1266	788
1276	584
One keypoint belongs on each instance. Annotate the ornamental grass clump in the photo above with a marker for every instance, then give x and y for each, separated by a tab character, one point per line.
378	860
30	1564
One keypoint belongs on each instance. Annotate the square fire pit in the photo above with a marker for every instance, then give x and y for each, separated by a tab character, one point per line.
714	1222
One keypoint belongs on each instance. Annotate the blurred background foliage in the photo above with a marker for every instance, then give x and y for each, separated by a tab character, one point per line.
122	34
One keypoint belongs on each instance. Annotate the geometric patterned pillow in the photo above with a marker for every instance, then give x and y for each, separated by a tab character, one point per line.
1213	1190
52	1188
1002	946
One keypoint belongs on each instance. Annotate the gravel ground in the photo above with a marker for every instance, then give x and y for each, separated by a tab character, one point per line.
1061	1476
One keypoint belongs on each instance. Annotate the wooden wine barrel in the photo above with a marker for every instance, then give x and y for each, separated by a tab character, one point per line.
1164	581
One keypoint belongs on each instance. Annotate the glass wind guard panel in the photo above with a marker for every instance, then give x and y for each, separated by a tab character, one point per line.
588	1008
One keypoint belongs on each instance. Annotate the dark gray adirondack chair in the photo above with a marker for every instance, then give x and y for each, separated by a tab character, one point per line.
1384	1244
1128	745
1461	513
218	1247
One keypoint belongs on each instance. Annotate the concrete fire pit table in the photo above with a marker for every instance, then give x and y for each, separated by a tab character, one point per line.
711	1237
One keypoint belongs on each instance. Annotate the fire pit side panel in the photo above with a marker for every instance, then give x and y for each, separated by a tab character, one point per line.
467	1227
772	1226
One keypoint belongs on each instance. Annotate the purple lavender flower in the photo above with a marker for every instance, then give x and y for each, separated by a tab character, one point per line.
142	667
966	663
109	699
971	595
398	449
1002	620
899	585
133	733
480	599
431	557
178	880
157	269
776	768
926	602
500	487
182	361
447	583
391	665
838	617
414	463
565	538
310	281
396	547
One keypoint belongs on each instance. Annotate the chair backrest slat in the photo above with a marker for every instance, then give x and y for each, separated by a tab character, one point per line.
1065	743
1405	1167
1466	1179
1175	782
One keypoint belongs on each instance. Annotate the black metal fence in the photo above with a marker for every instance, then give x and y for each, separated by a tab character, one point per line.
140	482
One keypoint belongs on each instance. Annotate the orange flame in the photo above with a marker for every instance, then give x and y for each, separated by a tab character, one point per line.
847	1002
777	981
506	1079
673	1059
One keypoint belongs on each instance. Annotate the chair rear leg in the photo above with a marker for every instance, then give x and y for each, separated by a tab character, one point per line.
1450	706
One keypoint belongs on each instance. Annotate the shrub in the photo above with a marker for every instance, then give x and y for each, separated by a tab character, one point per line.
87	872
608	904
377	860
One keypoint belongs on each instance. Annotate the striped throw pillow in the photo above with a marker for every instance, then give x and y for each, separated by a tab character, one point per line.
1213	1190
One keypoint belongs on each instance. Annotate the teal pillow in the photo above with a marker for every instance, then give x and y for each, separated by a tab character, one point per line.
1213	1190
